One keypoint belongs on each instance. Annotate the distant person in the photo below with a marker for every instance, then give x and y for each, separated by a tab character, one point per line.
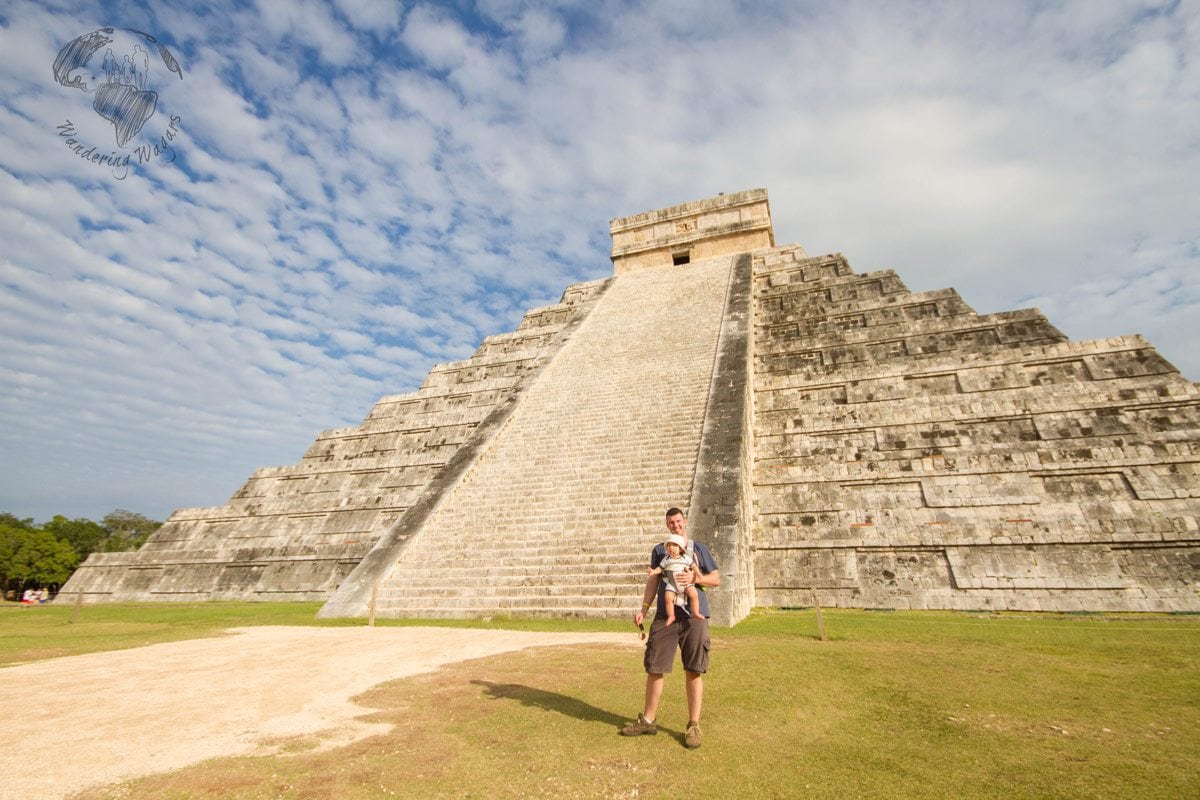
689	634
27	597
43	596
679	559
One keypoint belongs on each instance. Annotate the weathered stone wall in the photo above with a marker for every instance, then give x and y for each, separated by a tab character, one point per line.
913	454
705	229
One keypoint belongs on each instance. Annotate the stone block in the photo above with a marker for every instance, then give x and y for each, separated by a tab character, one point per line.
975	490
1035	567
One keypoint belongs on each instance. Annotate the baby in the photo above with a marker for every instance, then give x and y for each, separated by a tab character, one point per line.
679	559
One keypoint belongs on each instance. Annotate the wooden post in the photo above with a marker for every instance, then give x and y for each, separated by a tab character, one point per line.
374	595
78	605
820	616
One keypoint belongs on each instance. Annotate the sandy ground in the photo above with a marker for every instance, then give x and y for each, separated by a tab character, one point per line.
93	719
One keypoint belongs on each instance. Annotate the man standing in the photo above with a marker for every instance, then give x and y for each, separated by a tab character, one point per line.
688	634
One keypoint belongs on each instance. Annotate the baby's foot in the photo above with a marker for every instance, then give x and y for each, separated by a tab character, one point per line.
670	621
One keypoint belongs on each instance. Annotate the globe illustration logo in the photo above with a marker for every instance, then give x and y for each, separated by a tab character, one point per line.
124	70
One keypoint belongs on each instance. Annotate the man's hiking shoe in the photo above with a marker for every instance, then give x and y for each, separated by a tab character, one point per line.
694	735
640	728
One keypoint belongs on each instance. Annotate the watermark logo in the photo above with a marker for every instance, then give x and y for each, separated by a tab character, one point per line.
131	79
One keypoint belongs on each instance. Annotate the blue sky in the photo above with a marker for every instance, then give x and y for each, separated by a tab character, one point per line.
357	190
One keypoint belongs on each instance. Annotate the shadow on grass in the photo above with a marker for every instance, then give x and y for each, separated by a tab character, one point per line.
550	701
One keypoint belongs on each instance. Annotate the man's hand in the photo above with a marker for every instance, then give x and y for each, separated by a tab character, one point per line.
685	578
638	618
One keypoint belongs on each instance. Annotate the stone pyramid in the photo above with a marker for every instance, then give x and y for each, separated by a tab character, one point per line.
837	439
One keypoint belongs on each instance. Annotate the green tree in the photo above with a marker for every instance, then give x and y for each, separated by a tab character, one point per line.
34	556
14	522
49	553
85	536
11	536
44	559
127	530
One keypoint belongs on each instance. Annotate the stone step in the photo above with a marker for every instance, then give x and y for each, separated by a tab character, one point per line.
617	569
916	337
611	596
1104	356
503	557
536	611
473	588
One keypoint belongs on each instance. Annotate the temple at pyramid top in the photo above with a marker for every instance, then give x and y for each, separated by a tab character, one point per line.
697	231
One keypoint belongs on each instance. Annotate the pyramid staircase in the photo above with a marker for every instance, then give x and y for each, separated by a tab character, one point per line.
558	513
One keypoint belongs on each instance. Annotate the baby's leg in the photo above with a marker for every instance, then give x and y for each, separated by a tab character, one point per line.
670	604
693	596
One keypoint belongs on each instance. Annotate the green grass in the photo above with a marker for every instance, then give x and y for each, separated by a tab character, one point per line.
893	705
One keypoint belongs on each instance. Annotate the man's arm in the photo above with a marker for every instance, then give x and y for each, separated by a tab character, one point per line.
649	595
703	561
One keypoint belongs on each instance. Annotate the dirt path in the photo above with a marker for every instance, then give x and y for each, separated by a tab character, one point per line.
93	719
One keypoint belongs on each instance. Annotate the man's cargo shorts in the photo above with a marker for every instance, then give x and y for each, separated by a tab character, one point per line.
688	635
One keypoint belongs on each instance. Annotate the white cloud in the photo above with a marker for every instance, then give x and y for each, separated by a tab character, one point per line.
372	15
440	40
308	23
541	33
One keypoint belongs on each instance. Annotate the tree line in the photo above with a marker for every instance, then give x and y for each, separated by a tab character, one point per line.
45	555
